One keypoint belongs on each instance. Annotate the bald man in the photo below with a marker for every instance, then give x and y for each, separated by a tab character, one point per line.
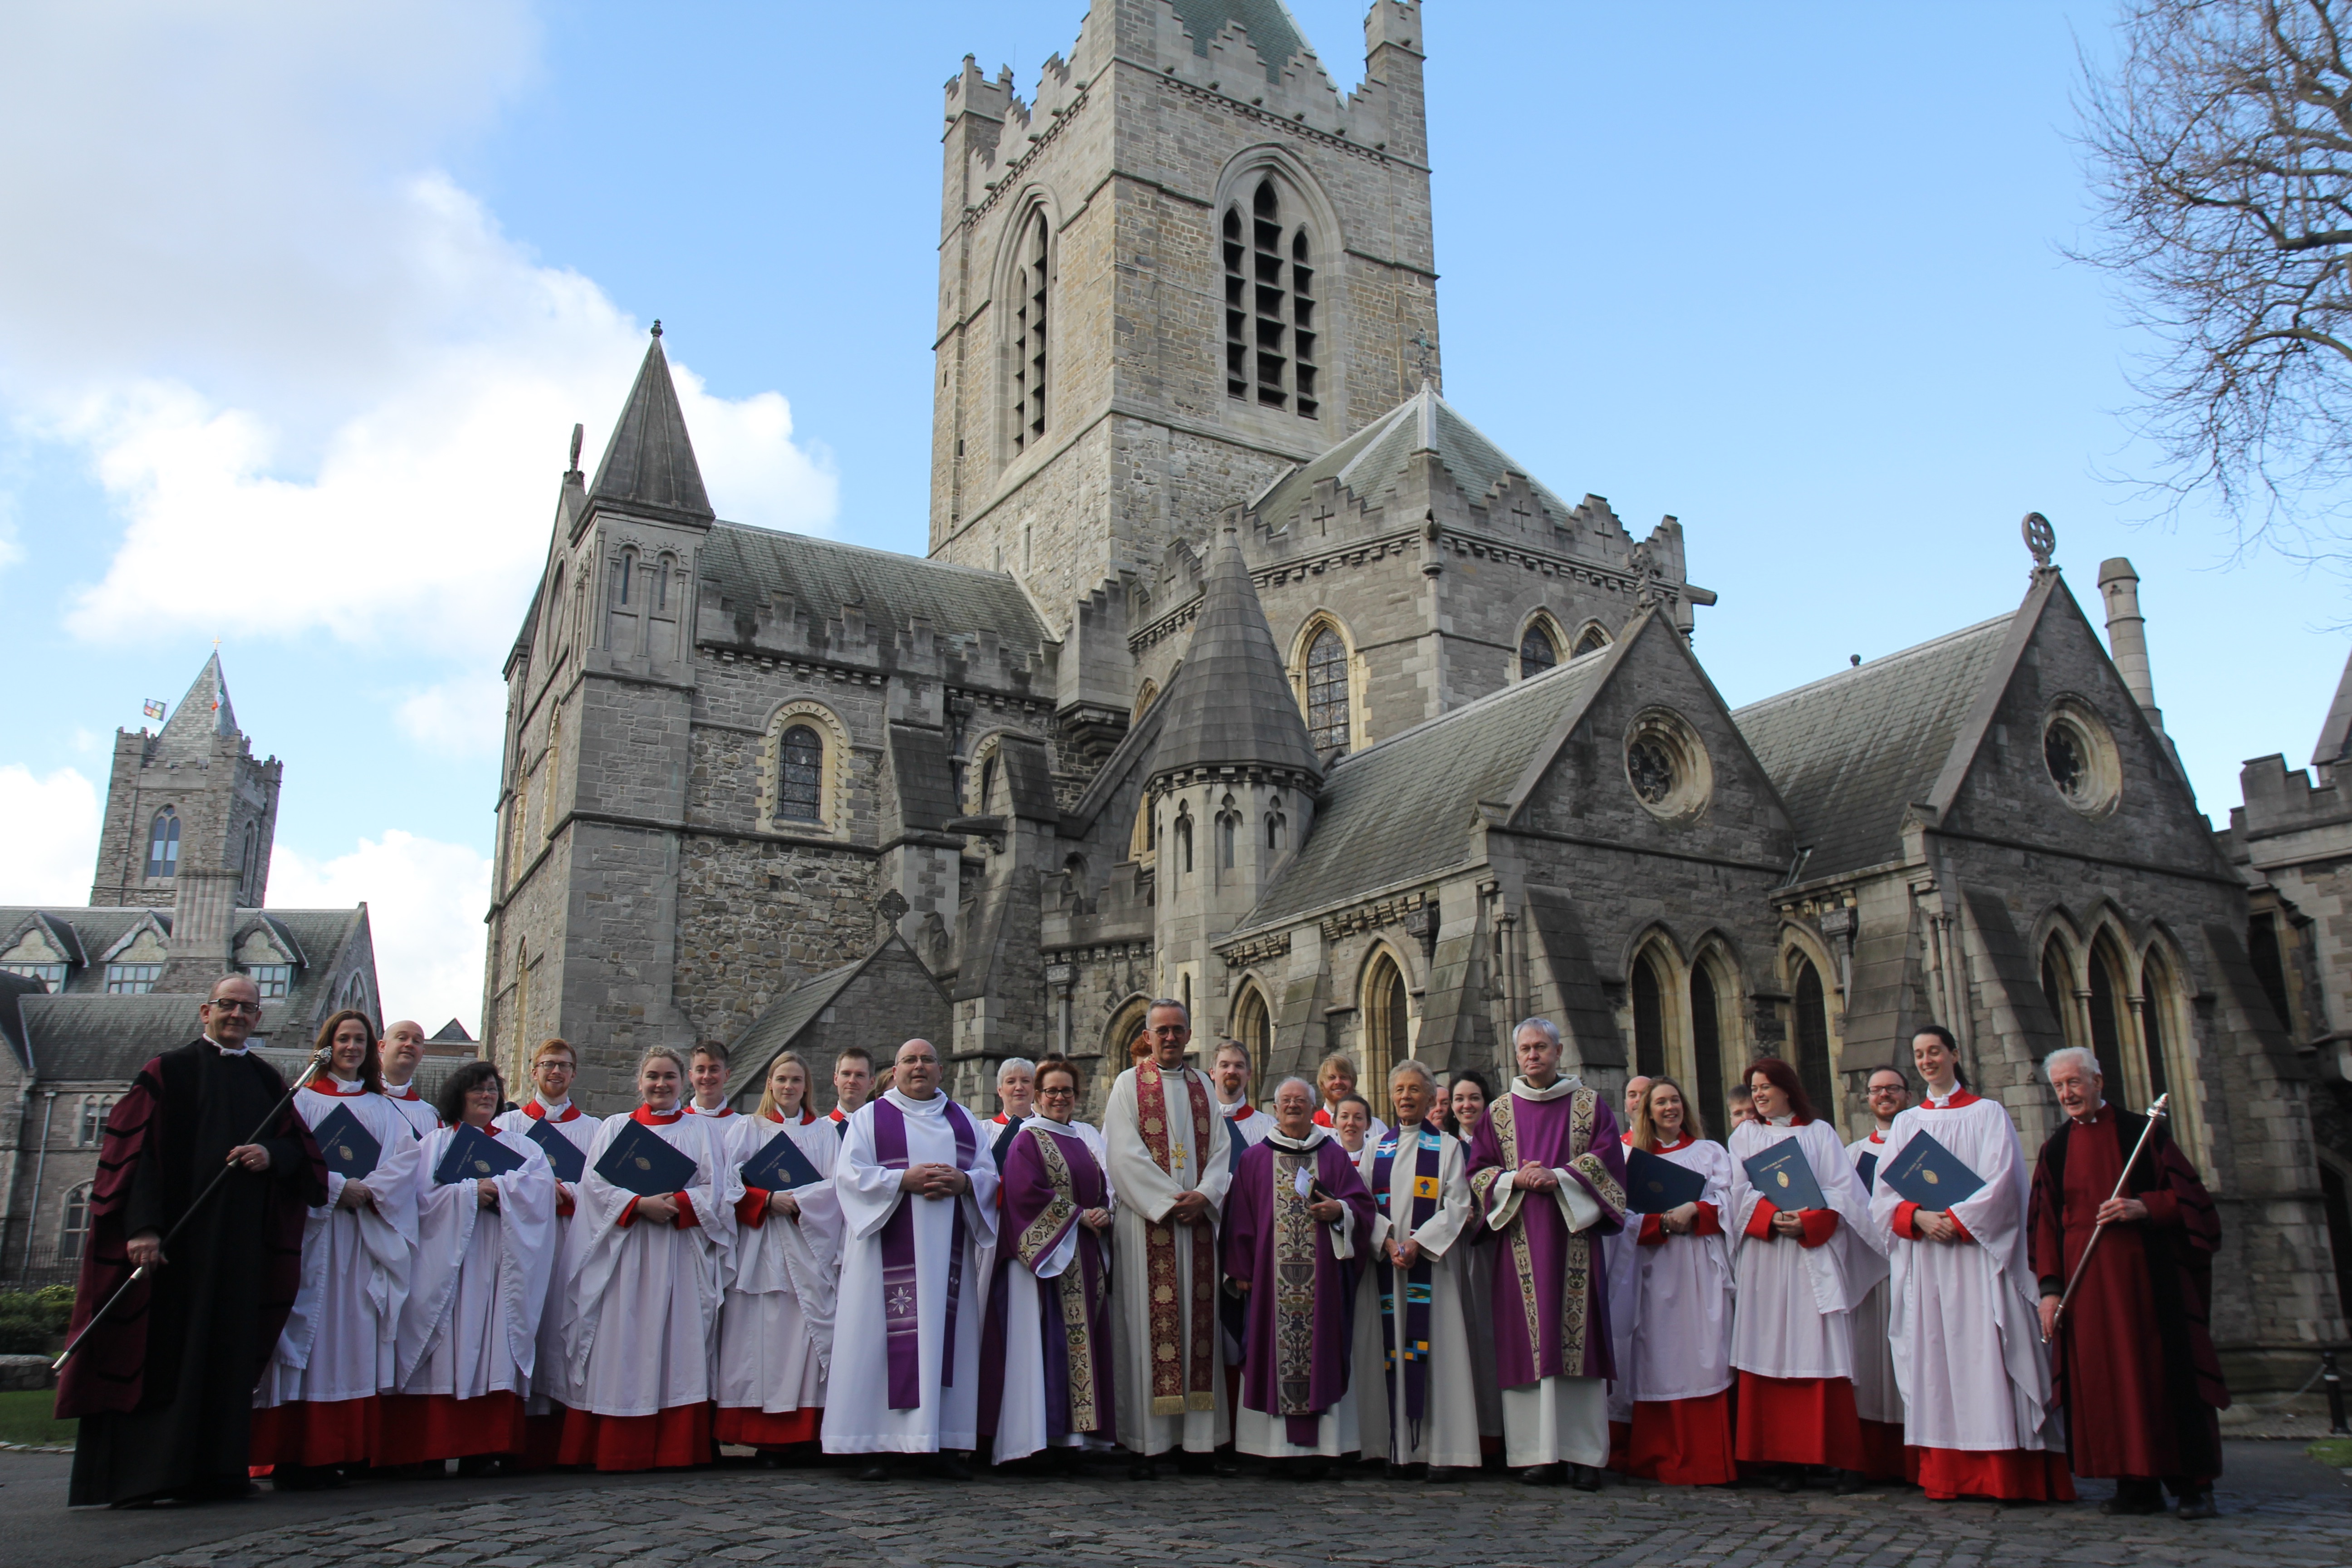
402	1048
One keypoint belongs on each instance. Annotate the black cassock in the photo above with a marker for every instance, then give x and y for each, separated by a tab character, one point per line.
165	1384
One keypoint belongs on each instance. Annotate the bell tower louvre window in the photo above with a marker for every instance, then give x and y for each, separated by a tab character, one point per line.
1029	344
1270	327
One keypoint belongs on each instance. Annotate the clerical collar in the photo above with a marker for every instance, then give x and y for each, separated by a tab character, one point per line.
1679	1144
1877	1137
721	1112
337	1088
1314	1136
2090	1120
649	1117
562	1110
225	1050
935	1105
1959	1098
1238	1108
1006	1119
806	1116
402	1092
1787	1120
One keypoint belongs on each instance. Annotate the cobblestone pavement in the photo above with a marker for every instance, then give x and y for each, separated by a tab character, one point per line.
821	1519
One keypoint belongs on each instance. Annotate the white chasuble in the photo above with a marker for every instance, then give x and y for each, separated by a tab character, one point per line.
1156	1268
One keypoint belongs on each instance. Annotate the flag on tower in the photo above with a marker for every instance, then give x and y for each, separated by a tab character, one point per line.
153	706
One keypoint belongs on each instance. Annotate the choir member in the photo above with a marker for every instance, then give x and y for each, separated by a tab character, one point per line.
1975	1374
853	1086
552	1067
1411	1328
775	1336
917	1194
164	1384
1549	1173
1045	1357
1335	1079
396	1060
1676	1350
1016	1094
1229	1071
319	1406
1351	1123
1637	1091
1877	1397
1739	1105
706	1071
645	1308
468	1332
1467	1096
2135	1373
1169	1158
1298	1224
1799	1275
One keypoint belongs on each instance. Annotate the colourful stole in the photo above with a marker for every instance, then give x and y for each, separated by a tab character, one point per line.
901	1294
1181	1372
1294	1289
1432	1149
1074	1293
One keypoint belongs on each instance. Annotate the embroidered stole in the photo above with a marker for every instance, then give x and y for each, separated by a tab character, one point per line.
1294	1293
1430	1150
1078	1296
1182	1364
901	1292
1576	1283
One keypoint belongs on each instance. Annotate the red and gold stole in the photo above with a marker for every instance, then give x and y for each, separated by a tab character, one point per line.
1181	1372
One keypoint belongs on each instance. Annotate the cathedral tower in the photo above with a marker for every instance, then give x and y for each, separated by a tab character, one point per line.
1188	264
188	803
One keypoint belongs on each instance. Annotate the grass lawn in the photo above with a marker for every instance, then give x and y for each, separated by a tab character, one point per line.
24	1418
2327	1451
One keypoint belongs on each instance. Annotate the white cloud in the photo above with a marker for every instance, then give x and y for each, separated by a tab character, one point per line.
49	836
464	717
425	901
240	287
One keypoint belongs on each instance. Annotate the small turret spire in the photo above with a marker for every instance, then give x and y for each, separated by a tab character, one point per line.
1230	705
649	463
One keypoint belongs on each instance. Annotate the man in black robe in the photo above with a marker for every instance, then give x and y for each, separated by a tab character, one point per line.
164	1385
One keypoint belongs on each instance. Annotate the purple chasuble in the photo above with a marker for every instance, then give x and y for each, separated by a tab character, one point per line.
1302	1299
1551	1285
901	1294
1050	1177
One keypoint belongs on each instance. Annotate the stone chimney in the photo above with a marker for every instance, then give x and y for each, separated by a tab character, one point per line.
2127	644
203	908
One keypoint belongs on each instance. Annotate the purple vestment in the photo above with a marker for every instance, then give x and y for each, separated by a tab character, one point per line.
1302	1297
1043	1190
1550	1285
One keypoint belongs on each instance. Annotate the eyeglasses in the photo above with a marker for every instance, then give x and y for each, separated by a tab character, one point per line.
1877	1089
227	1005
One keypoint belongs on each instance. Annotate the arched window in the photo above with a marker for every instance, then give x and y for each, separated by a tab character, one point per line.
250	863
73	1224
2054	991
1228	824
621	583
662	570
1537	652
1649	1019
1707	1051
1326	691
164	845
1811	1039
800	781
987	784
2106	1033
1253	1027
2155	993
1277	825
1270	327
1185	839
1591	640
1029	333
1386	1029
554	765
1144	699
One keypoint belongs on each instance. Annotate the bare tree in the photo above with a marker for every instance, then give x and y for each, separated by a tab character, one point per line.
2221	146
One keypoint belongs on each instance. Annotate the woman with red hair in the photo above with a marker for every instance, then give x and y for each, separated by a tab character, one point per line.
1801	1274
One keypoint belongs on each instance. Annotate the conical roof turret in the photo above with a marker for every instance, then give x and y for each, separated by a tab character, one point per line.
1230	705
649	464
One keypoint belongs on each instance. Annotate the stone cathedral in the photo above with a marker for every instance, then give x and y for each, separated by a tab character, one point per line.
1245	669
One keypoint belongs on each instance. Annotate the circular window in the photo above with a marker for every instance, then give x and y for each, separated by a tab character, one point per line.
1667	765
2078	753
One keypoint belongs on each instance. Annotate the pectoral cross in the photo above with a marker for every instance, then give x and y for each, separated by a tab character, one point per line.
1175	1153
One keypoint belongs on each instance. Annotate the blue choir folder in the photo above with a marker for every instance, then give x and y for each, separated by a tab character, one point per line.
1785	1177
1655	1185
1931	1175
473	1155
1867	1167
571	1161
778	1166
351	1149
641	1161
1004	1144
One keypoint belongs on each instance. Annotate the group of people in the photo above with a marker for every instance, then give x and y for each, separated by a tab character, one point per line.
385	1282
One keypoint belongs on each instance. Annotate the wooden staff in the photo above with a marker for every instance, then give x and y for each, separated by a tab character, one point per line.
2156	1113
324	1056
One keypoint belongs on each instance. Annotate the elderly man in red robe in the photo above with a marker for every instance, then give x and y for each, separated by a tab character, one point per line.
2134	1366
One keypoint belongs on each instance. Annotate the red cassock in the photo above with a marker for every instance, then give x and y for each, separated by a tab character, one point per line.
2140	1385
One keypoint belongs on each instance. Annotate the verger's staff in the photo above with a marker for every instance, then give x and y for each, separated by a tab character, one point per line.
2156	1113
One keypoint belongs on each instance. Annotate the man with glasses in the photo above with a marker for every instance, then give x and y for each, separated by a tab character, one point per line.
1876	1399
165	1384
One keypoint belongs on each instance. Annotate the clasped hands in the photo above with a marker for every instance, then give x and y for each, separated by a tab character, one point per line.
1190	1208
1678	1220
934	1181
1094	1219
1405	1254
1534	1177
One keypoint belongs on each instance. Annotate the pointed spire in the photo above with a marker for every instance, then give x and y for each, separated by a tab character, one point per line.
205	711
1230	705
649	464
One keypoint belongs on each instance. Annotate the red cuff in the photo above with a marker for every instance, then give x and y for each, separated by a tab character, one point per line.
563	1202
1819	1225
2163	1208
1706	1221
1906	1226
629	1215
686	1218
1760	1224
1958	1227
752	1208
1653	1233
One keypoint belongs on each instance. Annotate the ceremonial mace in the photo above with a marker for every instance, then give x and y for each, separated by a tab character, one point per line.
326	1054
2156	1113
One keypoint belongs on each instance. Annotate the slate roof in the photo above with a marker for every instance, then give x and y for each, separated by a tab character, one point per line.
788	1015
13	988
1404	807
1273	31
1369	463
204	713
1231	704
649	462
1849	752
316	936
107	1039
824	575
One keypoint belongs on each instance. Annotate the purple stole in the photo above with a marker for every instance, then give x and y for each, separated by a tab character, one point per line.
1416	1280
901	1298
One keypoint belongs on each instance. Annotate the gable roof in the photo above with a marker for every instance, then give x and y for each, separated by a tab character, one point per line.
1369	463
782	1020
648	465
824	575
1231	703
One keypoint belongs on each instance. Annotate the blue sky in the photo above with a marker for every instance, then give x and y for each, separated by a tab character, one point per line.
300	305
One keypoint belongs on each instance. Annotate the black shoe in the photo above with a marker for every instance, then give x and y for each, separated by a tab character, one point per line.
948	1466
1143	1469
1850	1483
2135	1496
1793	1479
1536	1476
1407	1472
305	1479
2199	1505
1314	1470
1447	1474
880	1470
1584	1478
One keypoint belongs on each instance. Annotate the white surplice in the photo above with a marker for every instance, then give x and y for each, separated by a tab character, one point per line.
1676	1340
1877	1395
1449	1424
471	1326
643	1332
1146	1194
858	1418
1956	1310
1796	1303
338	1342
415	1108
550	1373
775	1337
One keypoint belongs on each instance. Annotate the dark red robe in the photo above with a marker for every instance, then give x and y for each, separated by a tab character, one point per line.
2140	1389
